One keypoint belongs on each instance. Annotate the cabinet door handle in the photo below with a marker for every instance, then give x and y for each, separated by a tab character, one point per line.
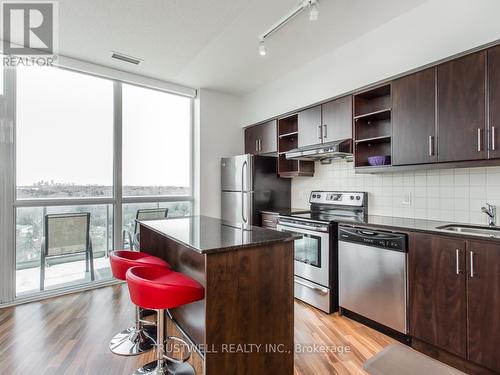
493	140
478	139
257	145
471	264
324	131
457	261
431	145
260	144
319	132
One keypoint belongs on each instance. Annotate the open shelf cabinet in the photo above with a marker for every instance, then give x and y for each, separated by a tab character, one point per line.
287	140
372	125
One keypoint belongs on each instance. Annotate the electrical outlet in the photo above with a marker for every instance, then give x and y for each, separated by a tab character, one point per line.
406	199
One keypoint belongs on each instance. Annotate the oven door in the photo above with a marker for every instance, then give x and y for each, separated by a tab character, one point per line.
312	251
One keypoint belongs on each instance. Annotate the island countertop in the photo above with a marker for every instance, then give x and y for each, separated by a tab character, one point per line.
206	234
248	276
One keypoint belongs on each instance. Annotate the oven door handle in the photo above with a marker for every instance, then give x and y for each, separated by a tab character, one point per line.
285	225
315	288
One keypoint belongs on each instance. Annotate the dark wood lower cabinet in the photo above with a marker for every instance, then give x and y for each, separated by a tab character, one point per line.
483	303
454	304
437	292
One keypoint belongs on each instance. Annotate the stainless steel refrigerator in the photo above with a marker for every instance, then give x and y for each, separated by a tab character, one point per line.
250	183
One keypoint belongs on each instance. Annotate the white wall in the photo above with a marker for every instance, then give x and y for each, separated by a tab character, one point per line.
430	32
447	195
217	134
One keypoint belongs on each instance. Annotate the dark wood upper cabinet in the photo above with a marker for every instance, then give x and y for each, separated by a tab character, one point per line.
461	109
261	139
309	126
483	303
494	101
437	306
449	113
337	119
251	140
414	118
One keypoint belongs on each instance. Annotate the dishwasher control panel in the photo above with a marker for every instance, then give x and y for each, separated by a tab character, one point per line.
385	240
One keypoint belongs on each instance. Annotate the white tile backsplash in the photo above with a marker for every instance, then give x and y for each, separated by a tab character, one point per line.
447	194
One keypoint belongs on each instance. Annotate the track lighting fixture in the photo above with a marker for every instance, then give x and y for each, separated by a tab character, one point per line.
312	5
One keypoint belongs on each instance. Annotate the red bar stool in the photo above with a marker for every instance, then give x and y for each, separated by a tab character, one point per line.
160	289
134	340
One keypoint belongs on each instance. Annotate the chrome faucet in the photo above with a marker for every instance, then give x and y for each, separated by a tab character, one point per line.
491	211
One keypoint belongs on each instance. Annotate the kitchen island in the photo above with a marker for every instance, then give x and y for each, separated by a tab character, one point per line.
245	323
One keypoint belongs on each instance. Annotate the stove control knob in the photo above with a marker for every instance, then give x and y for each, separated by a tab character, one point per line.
358	197
318	196
314	195
352	197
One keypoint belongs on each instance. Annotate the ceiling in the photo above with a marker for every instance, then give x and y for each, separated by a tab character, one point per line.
213	43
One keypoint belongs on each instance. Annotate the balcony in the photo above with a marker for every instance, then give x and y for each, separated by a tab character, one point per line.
61	275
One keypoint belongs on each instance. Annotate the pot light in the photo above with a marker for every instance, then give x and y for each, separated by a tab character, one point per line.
262	48
313	10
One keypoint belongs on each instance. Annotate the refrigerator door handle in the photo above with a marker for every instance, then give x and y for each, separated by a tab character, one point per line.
243	191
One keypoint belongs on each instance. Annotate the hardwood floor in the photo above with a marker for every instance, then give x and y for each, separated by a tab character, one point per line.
356	342
70	335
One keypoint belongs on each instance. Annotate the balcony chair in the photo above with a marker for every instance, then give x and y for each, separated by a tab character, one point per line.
66	235
142	214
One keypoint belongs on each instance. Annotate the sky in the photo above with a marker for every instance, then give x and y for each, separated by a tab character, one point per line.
64	131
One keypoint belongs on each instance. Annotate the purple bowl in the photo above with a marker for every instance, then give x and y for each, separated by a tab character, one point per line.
379	160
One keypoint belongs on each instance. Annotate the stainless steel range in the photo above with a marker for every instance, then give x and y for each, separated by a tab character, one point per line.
316	253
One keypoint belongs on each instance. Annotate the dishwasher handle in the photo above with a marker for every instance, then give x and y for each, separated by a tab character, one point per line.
384	240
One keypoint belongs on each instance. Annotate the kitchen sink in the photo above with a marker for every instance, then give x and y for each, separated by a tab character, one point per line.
472	230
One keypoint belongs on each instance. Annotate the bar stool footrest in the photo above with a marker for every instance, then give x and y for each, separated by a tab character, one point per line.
184	343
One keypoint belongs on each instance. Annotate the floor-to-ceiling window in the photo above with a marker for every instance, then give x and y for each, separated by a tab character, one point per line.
85	144
156	153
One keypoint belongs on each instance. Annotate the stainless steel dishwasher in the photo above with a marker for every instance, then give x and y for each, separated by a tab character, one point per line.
373	275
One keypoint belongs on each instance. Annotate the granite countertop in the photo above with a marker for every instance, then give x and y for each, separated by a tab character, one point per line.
208	235
416	225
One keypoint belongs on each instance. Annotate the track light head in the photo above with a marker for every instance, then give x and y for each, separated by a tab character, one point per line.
262	48
313	10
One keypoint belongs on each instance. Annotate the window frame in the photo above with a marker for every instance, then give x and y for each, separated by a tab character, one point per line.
9	202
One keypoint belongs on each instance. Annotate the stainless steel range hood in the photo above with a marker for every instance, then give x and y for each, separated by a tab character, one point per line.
325	152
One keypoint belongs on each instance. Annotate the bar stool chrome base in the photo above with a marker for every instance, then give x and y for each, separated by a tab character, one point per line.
165	368
131	342
165	365
134	340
